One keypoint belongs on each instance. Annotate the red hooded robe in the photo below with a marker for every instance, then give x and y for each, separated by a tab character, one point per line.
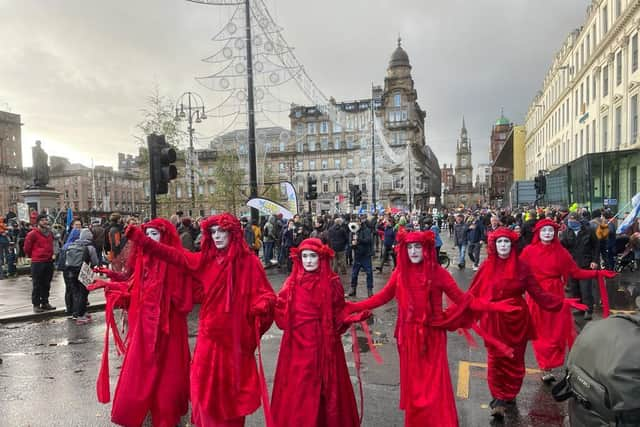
506	280
426	393
551	265
236	299
312	386
154	374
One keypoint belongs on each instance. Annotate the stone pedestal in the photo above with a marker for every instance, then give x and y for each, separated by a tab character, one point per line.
41	198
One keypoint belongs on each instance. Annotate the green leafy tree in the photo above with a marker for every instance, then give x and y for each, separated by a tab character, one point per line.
229	178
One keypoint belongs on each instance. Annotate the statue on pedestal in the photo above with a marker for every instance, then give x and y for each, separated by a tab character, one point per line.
40	166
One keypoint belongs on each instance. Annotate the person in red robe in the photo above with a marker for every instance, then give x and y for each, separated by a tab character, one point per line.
154	377
552	265
312	387
418	283
502	277
237	308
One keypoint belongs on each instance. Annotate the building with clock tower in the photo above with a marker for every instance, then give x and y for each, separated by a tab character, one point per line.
463	192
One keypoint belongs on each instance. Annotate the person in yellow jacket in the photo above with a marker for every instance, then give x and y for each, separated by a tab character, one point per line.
257	236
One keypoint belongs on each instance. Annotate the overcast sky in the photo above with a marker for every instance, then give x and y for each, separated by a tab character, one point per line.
78	71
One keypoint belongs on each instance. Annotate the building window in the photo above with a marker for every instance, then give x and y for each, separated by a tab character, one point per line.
337	163
593	136
633	108
634	52
392	117
618	129
605	21
200	189
300	129
324	127
312	164
212	188
299	165
618	9
605	133
324	143
312	144
325	187
586	91
337	187
349	142
324	164
619	68
281	166
282	146
267	147
336	143
593	86
311	128
336	127
605	80
299	147
397	100
350	163
633	181
404	115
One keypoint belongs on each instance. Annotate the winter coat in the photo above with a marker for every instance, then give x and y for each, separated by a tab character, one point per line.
363	248
389	235
460	234
338	237
39	246
584	246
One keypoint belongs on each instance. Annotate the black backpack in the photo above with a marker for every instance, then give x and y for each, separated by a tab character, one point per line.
603	374
75	255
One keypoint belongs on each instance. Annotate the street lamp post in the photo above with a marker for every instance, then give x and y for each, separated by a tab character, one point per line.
191	106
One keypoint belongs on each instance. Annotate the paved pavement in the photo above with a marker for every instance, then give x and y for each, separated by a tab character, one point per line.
15	299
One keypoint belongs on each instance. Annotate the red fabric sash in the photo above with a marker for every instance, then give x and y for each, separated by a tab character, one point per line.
604	296
357	360
264	393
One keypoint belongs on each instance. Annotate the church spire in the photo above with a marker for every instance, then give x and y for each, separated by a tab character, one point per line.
464	128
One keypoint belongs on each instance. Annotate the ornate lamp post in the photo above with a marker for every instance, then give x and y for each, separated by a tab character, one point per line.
191	106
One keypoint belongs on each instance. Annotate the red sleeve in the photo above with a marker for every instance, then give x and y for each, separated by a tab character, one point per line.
578	273
28	243
381	298
546	300
263	298
281	306
176	256
449	286
337	303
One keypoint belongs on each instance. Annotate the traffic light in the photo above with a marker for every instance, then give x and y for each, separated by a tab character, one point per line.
357	195
161	159
312	188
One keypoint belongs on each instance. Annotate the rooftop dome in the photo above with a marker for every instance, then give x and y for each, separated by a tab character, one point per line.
502	120
399	58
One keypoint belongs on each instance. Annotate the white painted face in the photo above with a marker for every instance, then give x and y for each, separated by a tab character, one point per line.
310	260
547	233
503	247
220	237
414	251
154	233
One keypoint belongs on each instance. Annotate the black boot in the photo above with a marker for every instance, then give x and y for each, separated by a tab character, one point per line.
369	293
353	292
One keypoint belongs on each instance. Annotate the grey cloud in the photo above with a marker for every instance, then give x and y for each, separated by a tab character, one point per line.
79	71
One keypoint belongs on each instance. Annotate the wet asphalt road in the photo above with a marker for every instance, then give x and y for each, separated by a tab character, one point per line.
47	377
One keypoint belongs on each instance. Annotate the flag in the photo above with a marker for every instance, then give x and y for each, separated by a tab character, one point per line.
69	218
635	211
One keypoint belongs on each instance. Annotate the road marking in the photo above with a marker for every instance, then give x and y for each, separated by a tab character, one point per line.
464	371
612	311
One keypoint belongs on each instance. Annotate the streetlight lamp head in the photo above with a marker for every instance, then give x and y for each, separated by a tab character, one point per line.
182	114
198	119
203	116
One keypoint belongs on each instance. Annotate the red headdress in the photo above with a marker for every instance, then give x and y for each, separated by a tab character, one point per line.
407	270
546	222
228	222
495	268
312	244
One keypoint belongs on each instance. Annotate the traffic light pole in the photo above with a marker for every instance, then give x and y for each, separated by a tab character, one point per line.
152	175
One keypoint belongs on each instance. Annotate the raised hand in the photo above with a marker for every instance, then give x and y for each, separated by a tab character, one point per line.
506	306
357	317
607	274
134	233
575	303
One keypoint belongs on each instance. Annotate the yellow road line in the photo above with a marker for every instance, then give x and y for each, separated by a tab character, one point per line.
464	371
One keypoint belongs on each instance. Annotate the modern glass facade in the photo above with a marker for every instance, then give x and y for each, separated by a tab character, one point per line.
595	180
